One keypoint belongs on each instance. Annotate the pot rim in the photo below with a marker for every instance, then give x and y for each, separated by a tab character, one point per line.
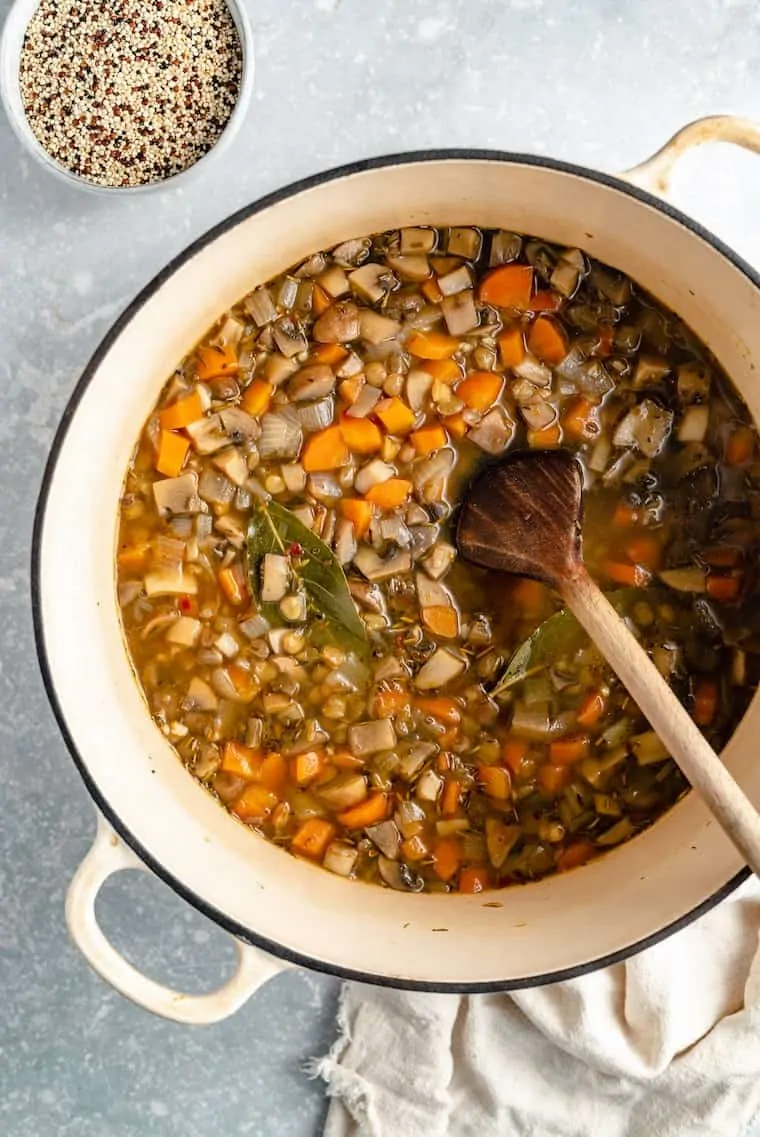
109	811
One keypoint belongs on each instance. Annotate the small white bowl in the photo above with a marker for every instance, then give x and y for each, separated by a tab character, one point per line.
11	43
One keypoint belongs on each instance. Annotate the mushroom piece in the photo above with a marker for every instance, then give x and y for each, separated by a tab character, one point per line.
289	336
313	382
387	838
494	431
177	495
398	875
372	281
339	324
366	738
443	666
341	857
240	427
375	567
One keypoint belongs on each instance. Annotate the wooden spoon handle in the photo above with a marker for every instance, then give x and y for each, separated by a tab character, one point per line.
699	762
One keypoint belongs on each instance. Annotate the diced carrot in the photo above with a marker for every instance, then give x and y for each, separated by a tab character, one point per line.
705	692
511	347
740	446
592	709
181	413
444	370
390	494
514	751
495	781
575	855
431	291
214	361
244	683
579	420
345	760
645	549
359	512
443	758
452	792
480	390
312	838
273	774
474	879
723	556
547	340
320	300
415	848
625	515
442	708
325	450
724	589
428	439
546	439
172	452
389	702
552	779
243	761
509	286
361	435
455	425
256	397
631	576
530	595
545	301
567	751
368	812
447	857
134	558
331	353
432	345
254	804
307	766
395	415
349	389
233	585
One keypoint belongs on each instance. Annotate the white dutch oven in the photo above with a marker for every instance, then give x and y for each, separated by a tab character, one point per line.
279	909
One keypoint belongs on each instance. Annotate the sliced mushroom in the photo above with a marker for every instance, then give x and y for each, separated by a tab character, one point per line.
494	431
177	495
339	324
399	876
313	382
375	567
289	336
387	838
372	281
375	328
443	666
372	737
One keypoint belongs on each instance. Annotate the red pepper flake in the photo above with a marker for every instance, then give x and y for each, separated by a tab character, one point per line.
295	550
185	603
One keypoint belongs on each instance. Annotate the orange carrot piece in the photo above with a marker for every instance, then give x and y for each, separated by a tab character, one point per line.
592	709
432	345
134	558
244	683
455	425
331	353
567	751
414	848
579	420
495	781
325	450
705	691
514	751
243	761
511	347
368	812
181	413
359	511
444	370
214	361
361	435
546	439
431	291
545	301
349	389
530	595
480	390
389	702
312	838
395	415
740	446
547	340
509	286
575	855
723	556
474	879
552	779
273	774
320	300
390	494
255	803
452	792
233	585
428	439
172	452
442	708
625	515
724	589
630	576
645	549
307	766
447	857
256	397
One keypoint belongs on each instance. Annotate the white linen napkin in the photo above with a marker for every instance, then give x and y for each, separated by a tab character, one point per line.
666	1044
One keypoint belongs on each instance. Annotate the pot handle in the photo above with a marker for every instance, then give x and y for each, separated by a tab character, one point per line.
108	855
654	173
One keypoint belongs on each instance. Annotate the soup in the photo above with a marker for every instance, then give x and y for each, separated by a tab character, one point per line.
297	616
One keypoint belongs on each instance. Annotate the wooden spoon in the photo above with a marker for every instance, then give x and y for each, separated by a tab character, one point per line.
523	516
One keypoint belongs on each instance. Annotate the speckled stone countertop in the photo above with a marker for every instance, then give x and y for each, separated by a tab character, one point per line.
602	83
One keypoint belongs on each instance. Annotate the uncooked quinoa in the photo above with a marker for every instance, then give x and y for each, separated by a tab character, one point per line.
126	92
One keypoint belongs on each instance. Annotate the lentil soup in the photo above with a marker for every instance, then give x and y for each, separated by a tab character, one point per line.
293	605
